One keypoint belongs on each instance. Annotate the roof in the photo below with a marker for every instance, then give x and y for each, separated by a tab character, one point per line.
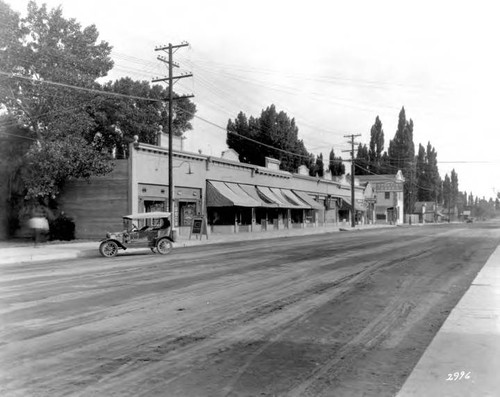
398	177
377	178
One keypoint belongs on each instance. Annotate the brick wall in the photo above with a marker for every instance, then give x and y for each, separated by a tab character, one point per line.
97	206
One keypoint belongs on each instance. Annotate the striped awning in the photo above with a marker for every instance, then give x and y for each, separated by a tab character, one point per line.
309	200
347	203
251	190
268	195
288	197
222	194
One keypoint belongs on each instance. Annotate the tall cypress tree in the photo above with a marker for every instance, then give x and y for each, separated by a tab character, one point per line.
454	192
421	174
362	161
402	157
376	146
446	192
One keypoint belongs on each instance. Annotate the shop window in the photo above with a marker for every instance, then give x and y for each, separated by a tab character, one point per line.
187	211
154	205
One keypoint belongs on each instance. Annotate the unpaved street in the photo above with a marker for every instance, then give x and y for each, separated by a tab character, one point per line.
344	314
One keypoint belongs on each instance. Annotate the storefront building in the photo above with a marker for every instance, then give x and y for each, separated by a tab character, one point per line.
236	197
388	197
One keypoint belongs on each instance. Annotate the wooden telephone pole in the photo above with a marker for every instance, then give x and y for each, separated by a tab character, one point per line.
353	207
171	80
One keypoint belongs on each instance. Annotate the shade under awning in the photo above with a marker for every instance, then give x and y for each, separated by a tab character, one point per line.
288	196
309	200
220	195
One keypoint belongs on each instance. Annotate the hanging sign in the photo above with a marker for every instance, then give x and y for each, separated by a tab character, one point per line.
198	227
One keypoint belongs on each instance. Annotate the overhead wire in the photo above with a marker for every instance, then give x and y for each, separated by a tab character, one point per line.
109	93
156	100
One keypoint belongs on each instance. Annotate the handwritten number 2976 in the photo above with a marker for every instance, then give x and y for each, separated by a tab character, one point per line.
458	376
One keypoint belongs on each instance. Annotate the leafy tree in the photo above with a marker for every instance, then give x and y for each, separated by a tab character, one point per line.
118	119
56	162
45	47
401	157
48	47
272	128
335	164
376	146
318	169
483	209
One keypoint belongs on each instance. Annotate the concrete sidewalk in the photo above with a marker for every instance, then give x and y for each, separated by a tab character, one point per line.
463	359
20	252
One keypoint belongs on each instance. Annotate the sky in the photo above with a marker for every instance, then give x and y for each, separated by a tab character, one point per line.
334	66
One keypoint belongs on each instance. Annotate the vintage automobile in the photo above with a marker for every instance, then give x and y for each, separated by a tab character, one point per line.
144	230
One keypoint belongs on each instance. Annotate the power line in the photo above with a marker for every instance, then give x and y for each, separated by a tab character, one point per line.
152	100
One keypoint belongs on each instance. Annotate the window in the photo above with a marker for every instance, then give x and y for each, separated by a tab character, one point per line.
387	195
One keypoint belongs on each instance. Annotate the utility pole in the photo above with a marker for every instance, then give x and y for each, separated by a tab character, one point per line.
170	79
353	208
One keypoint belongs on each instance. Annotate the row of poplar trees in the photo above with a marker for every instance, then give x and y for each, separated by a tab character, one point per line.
274	134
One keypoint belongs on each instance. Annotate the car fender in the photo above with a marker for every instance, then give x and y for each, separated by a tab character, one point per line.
167	237
116	241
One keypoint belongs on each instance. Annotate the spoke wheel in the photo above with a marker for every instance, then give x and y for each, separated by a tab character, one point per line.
164	246
108	249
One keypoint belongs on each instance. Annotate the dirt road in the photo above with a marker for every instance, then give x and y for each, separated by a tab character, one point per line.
344	314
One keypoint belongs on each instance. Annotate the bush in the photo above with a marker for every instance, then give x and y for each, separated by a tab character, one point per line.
62	228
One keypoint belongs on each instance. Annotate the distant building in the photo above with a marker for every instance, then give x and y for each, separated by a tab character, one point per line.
427	212
388	193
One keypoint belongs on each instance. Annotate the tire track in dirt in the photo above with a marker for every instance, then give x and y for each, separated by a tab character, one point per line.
269	319
274	319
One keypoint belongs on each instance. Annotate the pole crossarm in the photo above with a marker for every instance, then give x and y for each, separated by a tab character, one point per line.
171	79
171	47
178	97
163	59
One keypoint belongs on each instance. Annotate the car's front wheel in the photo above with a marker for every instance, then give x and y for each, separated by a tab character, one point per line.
108	249
164	246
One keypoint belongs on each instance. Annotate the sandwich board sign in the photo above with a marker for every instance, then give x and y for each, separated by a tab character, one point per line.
198	227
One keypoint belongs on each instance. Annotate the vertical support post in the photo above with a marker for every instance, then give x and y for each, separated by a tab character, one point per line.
353	207
170	133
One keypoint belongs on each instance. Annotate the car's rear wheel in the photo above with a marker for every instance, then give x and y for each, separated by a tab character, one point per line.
108	249
164	246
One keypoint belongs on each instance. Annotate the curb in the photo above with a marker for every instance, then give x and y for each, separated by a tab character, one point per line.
72	253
